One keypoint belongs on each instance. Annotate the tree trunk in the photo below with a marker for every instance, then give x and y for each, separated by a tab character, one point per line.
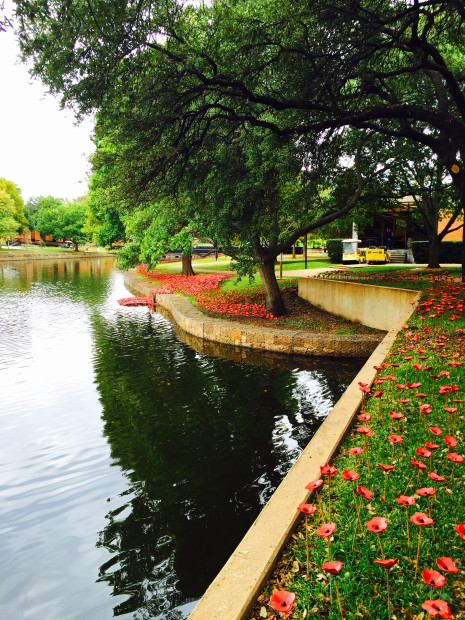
433	252
75	246
274	299
187	265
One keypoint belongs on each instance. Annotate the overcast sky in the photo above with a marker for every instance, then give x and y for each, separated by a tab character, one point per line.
41	148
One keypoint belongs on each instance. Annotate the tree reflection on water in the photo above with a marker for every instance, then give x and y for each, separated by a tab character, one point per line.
203	442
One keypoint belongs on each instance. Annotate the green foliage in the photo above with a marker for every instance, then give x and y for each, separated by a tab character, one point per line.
62	220
12	191
449	251
334	248
8	224
128	256
105	223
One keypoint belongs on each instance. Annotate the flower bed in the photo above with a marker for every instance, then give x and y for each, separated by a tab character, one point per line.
189	285
384	535
248	302
205	291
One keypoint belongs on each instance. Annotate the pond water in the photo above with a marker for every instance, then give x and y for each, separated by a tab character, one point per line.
132	462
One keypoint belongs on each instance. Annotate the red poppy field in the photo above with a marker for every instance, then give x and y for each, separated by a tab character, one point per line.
383	534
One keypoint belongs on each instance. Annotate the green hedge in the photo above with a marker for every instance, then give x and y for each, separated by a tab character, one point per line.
449	251
334	248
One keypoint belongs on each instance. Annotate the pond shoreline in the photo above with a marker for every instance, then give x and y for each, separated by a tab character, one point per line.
299	342
12	256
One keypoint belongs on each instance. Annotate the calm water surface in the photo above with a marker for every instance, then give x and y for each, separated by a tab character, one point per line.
132	463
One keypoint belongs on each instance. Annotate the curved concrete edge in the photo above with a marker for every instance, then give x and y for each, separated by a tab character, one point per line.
235	589
298	342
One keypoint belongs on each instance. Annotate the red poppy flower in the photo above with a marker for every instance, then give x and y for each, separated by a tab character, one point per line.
436	477
447	565
307	509
437	608
395	439
405	500
450	409
326	530
386	468
377	524
460	529
364	430
426	491
454	457
282	601
333	567
356	450
423	452
328	470
364	417
450	441
417	464
350	475
419	518
435	430
387	563
396	416
431	446
403	400
378	394
364	492
426	408
312	486
433	578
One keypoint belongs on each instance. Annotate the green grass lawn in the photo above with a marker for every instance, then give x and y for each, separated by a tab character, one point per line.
313	262
224	264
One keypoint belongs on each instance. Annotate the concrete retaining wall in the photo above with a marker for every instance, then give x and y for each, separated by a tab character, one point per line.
376	306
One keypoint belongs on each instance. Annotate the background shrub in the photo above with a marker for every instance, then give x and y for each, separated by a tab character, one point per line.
334	247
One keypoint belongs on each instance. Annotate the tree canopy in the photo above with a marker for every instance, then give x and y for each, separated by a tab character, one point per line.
62	220
174	75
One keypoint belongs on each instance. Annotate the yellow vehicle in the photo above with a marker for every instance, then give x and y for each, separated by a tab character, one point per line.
374	255
351	253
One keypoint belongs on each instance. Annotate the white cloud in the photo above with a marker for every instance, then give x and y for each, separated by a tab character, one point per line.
41	148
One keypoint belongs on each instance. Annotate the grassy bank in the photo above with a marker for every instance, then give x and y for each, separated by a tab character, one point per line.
424	368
